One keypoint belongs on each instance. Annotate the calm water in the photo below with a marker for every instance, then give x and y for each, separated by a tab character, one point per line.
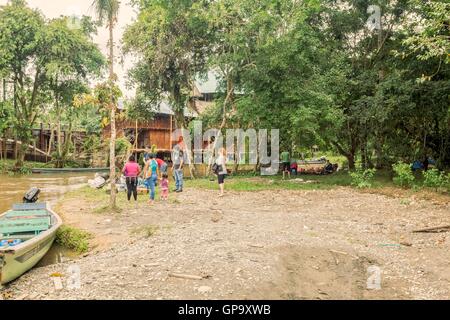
53	187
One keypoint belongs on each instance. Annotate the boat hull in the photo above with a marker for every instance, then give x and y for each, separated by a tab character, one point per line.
17	260
17	263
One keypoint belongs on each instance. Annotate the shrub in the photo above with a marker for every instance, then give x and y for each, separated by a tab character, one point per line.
363	178
448	183
435	179
404	176
73	239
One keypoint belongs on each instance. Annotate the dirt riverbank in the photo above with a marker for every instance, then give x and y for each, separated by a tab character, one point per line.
255	245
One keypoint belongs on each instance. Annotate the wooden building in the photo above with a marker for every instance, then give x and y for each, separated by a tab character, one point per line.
153	132
40	148
157	131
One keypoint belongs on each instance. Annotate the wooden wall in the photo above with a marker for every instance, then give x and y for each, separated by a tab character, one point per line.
153	132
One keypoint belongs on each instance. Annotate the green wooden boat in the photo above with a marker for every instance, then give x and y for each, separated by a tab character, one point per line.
26	234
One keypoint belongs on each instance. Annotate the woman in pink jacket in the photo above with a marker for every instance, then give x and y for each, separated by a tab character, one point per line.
131	170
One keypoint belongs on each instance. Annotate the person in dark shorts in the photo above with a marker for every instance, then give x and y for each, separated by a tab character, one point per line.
286	163
131	171
221	171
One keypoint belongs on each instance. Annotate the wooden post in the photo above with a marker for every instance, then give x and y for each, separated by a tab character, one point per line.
5	144
171	130
15	148
34	149
41	137
136	135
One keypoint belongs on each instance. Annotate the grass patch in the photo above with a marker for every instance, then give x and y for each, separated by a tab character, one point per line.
100	198
105	209
147	231
73	239
260	183
8	167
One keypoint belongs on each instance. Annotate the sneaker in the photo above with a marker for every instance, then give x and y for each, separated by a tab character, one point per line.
178	191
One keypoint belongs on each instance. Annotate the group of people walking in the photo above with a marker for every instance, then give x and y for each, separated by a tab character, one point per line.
155	172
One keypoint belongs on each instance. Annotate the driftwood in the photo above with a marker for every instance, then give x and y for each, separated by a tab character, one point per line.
185	276
434	229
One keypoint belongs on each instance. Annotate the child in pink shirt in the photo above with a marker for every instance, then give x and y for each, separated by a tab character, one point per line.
164	187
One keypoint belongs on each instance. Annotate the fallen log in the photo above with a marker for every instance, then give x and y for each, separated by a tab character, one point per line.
434	229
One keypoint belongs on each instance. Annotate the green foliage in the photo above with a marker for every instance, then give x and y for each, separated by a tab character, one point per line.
363	178
404	176
170	39
123	146
107	11
8	167
431	40
91	144
435	179
123	149
48	63
73	239
448	183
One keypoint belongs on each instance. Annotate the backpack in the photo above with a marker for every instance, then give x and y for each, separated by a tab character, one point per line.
216	168
152	166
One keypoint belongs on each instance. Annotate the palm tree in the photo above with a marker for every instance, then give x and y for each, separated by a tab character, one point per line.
107	12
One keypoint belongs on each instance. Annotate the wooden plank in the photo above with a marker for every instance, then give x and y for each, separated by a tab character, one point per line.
24	237
26	225
29	206
24	213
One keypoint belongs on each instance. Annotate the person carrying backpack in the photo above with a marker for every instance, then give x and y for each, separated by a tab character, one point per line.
220	169
151	176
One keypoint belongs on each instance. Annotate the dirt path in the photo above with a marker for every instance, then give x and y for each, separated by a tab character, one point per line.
258	245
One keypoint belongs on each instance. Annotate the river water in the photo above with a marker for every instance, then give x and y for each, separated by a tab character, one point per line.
52	186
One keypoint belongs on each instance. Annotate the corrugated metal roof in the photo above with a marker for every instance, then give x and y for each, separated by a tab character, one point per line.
165	108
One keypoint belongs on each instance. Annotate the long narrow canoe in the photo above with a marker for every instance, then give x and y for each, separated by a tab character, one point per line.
33	227
68	170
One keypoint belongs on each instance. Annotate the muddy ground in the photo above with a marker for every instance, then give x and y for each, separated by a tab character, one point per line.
256	245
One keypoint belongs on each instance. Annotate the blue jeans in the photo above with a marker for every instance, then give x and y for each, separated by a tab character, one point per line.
151	183
178	174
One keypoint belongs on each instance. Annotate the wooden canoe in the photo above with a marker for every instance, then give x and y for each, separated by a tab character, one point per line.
35	225
69	170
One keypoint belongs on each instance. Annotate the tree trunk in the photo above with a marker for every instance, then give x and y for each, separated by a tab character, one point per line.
112	145
67	143
5	144
228	98
16	151
350	155
364	160
51	140
20	152
59	139
379	151
351	161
